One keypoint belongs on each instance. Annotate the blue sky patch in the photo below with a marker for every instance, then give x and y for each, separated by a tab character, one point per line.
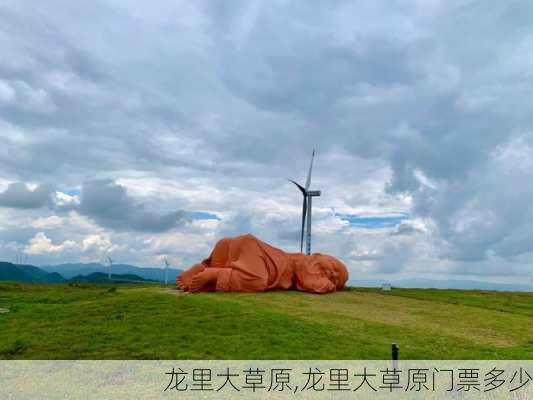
73	192
203	215
373	222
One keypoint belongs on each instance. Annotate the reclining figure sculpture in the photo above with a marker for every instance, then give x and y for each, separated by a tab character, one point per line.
247	264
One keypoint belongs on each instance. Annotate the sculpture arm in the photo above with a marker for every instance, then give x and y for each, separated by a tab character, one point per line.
316	285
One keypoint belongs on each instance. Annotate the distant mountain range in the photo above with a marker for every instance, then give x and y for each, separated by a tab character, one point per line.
27	273
421	283
71	270
94	273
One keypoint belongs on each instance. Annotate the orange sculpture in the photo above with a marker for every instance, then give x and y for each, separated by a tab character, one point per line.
247	264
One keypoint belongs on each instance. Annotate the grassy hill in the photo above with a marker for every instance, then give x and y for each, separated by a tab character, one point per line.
153	322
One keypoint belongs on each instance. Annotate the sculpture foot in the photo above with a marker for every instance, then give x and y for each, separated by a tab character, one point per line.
184	280
204	281
181	283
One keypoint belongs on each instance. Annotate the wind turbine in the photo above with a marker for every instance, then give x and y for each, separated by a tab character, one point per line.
110	265
166	270
307	207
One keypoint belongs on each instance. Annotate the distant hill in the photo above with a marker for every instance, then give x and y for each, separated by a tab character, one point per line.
421	283
27	273
100	277
71	270
94	273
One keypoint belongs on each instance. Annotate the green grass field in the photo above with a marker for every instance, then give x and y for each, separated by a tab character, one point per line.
153	322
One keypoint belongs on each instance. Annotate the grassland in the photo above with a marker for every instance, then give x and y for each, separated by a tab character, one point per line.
153	322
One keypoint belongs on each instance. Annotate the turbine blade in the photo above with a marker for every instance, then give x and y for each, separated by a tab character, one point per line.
304	215
308	181
299	187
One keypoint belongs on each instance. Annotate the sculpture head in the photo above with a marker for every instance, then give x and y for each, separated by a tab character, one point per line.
323	265
334	269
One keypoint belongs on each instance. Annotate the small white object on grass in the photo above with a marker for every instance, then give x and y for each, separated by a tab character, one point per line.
386	287
4	310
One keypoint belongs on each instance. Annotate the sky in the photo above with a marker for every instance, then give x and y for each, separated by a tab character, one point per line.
144	130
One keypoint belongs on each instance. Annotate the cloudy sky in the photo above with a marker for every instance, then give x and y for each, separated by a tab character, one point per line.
148	129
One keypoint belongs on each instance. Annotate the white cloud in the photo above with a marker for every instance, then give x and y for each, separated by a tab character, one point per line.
98	244
7	93
21	95
41	244
50	222
66	200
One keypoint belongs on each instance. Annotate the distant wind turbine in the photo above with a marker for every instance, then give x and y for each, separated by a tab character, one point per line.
110	265
307	207
21	258
166	270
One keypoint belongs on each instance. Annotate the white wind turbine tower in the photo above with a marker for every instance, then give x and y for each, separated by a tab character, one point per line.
307	207
110	265
166	270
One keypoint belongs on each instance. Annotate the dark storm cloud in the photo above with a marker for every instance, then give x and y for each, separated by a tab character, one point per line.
486	214
93	109
17	234
405	229
109	205
18	195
